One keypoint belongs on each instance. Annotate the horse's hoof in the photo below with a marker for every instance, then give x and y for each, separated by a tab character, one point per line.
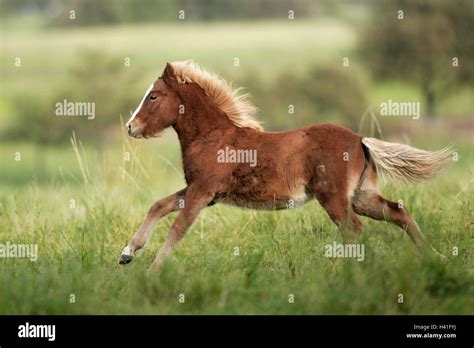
124	259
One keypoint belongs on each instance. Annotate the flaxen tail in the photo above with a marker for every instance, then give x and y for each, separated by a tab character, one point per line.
405	163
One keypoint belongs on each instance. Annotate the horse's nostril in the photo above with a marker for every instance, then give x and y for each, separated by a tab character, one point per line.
129	127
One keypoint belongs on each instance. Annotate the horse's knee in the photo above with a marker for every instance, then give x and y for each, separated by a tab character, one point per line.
370	204
361	202
155	208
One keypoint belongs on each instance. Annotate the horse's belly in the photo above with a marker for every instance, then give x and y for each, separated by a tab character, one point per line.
264	200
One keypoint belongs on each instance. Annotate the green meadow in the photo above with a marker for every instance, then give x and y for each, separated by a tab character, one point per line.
80	200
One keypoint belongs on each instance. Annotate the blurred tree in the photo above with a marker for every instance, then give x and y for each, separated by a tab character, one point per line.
93	78
336	94
245	9
324	94
106	12
422	41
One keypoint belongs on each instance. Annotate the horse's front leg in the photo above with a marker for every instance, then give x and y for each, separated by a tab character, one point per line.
158	210
196	199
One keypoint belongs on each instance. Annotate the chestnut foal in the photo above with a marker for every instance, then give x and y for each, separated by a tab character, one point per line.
328	162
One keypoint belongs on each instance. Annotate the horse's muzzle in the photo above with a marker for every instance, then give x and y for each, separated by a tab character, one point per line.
135	132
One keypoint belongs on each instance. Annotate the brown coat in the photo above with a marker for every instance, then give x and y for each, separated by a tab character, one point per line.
269	170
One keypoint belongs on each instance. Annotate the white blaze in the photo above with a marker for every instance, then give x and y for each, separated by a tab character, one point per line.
139	106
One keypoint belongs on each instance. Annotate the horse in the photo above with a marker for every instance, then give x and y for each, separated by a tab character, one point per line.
336	166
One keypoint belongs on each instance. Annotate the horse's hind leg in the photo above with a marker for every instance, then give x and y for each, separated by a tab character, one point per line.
158	210
369	203
340	211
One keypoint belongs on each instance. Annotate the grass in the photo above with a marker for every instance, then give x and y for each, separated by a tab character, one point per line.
82	208
280	253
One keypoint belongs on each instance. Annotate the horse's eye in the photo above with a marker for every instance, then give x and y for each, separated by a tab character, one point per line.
152	97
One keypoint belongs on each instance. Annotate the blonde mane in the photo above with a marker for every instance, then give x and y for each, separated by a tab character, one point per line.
236	106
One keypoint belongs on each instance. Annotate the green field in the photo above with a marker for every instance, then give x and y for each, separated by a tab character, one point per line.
265	50
280	253
81	208
297	44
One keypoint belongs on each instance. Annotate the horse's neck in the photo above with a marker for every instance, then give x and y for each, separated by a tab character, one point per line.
201	119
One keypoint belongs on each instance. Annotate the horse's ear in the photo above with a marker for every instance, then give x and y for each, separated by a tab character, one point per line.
168	74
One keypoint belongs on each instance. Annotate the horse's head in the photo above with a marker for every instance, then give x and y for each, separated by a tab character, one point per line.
158	108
